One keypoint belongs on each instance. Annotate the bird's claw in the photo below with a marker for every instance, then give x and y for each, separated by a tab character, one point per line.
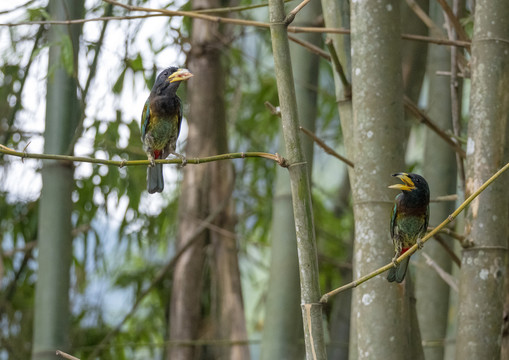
182	158
420	244
151	160
394	262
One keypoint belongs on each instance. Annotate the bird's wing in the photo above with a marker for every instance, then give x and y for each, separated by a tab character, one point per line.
426	221
179	115
393	218
145	118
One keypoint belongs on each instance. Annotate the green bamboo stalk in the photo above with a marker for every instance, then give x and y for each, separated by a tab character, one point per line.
283	334
52	318
299	182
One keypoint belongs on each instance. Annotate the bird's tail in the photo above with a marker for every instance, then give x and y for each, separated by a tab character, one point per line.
155	182
398	273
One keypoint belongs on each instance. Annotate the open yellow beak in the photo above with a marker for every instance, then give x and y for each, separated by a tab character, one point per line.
408	183
180	75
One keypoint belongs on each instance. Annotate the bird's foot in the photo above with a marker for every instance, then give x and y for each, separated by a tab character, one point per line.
151	160
394	262
183	158
420	244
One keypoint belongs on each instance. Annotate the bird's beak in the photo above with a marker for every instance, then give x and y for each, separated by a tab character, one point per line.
180	75
408	183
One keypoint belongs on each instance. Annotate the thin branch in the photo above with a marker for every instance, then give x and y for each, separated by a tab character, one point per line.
325	147
293	29
448	250
274	110
65	355
17	8
291	15
121	163
339	69
234	8
450	233
201	14
78	132
432	40
449	73
421	116
28	247
445	198
421	14
453	20
455	85
17	106
444	275
192	14
80	21
414	248
309	46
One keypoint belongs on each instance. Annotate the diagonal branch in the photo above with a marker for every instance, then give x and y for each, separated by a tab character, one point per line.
326	147
291	15
435	30
414	248
421	116
309	46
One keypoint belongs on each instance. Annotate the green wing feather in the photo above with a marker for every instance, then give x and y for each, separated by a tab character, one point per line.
179	116
145	118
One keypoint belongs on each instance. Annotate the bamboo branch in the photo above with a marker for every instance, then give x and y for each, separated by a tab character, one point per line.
453	234
435	30
65	355
121	163
325	147
201	14
454	20
414	248
444	275
421	116
311	47
445	198
448	250
291	15
339	69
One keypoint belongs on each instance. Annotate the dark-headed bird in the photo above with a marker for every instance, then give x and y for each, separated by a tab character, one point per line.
409	219
160	123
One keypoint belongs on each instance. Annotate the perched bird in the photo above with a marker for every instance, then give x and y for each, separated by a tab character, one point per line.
409	219
160	123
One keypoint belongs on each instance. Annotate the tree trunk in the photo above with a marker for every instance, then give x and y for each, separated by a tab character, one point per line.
381	312
439	168
51	323
483	264
283	335
299	182
206	192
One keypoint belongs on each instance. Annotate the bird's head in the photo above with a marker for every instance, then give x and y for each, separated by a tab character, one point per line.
413	184
170	78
